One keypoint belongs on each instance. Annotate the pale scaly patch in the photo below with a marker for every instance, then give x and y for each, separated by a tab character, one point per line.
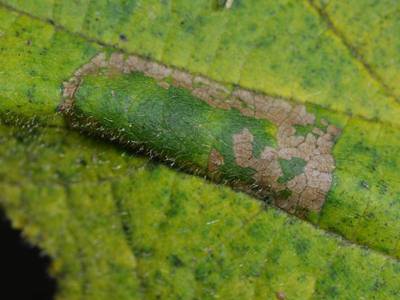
228	4
305	191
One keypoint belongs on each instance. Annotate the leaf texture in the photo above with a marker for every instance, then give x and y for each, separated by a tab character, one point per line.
120	226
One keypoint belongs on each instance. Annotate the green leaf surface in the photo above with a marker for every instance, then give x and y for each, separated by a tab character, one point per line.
372	29
119	226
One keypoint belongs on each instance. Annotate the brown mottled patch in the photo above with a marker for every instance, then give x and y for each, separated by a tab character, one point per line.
311	199
297	184
157	71
243	148
117	61
69	89
280	295
215	160
182	79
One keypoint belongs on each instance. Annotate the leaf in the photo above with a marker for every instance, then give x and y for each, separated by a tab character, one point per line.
369	28
133	229
120	226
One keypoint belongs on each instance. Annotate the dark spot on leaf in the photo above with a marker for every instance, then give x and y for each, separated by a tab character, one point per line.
301	246
123	37
201	273
364	184
82	162
383	187
144	251
175	261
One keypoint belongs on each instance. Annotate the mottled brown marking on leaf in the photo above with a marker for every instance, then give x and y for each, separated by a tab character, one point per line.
243	148
280	295
215	160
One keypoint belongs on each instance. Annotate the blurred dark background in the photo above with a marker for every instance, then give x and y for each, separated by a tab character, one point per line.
23	268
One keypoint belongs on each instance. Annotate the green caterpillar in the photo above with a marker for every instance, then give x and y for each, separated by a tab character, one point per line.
264	146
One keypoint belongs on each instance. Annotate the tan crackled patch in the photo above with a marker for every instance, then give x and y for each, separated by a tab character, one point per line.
307	191
215	160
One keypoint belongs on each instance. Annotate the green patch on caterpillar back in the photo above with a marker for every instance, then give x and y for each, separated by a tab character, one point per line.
303	129
291	168
170	122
